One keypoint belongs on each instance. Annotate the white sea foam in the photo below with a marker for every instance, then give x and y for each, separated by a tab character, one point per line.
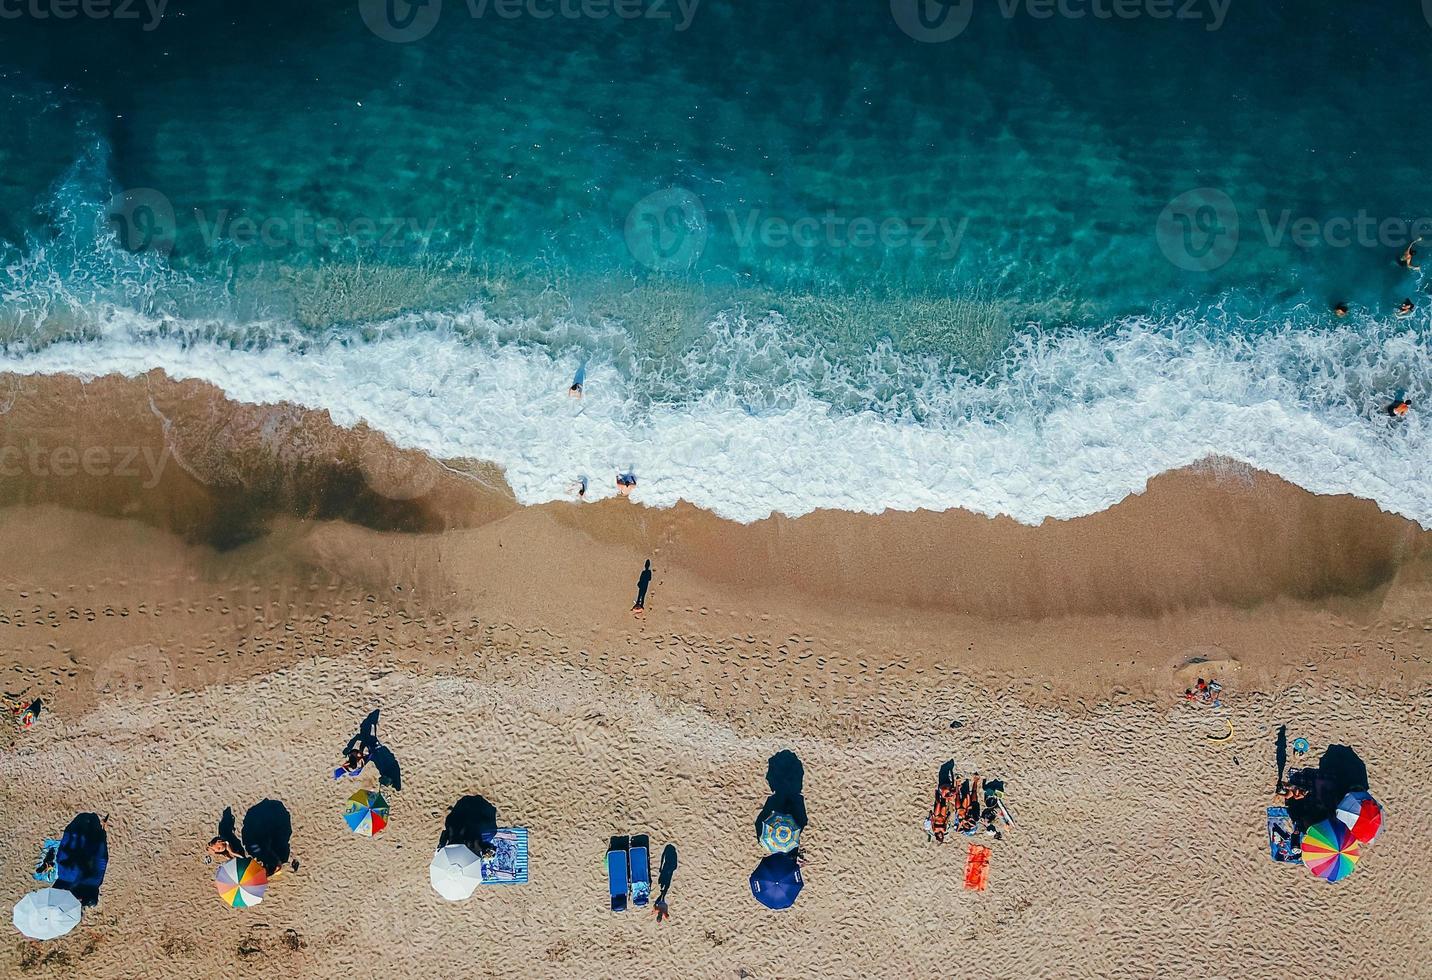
1069	425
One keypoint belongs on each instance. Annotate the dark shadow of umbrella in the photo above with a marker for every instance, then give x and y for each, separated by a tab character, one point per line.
268	830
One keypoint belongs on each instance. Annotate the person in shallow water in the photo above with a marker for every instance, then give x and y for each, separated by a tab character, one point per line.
626	483
1406	308
579	488
1340	309
576	390
1399	408
642	584
1406	260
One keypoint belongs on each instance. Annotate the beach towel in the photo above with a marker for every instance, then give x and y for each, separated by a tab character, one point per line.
48	852
1283	839
977	868
509	865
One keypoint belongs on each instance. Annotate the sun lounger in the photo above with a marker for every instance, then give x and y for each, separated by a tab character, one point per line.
507	865
977	868
617	873
639	861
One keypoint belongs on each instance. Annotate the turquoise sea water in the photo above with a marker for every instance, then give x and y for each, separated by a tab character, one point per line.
805	241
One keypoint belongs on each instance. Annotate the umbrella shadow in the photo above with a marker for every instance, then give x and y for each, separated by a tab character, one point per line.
82	858
268	831
785	775
472	822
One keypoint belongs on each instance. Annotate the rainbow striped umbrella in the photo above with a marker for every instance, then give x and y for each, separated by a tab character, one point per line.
1330	850
241	882
366	813
1362	815
780	834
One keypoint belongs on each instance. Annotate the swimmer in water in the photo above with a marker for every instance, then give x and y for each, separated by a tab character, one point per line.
1399	408
1407	256
1340	309
579	488
576	390
1405	309
626	483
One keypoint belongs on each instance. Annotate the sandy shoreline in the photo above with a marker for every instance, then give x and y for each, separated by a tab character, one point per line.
207	632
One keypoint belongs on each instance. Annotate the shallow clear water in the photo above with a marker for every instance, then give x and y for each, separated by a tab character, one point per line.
808	259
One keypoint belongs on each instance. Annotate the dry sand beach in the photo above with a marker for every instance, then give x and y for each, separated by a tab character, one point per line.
212	601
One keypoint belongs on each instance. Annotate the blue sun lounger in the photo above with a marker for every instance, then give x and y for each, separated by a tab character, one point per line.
617	873
639	861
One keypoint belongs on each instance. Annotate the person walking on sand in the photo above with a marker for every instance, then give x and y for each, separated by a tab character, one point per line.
642	584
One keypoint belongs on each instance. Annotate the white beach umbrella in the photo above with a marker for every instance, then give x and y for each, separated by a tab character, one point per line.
47	913
455	872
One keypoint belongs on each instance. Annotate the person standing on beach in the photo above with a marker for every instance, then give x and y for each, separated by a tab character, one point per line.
642	584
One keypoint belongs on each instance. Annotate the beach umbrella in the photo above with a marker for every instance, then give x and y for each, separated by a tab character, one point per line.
47	913
777	881
366	813
455	872
241	882
780	834
1362	815
1329	850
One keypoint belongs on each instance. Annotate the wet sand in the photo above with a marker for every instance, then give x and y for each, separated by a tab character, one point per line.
209	621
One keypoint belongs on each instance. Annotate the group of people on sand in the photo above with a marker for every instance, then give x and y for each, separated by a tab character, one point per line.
969	806
1205	692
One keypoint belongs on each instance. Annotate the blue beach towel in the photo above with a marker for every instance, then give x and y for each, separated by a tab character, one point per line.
1284	842
50	851
509	865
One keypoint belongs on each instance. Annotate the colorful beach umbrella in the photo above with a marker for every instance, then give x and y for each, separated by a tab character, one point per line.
455	872
366	813
1329	850
1362	815
780	834
777	881
241	882
47	913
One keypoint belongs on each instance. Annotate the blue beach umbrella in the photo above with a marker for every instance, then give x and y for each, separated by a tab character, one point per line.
777	881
